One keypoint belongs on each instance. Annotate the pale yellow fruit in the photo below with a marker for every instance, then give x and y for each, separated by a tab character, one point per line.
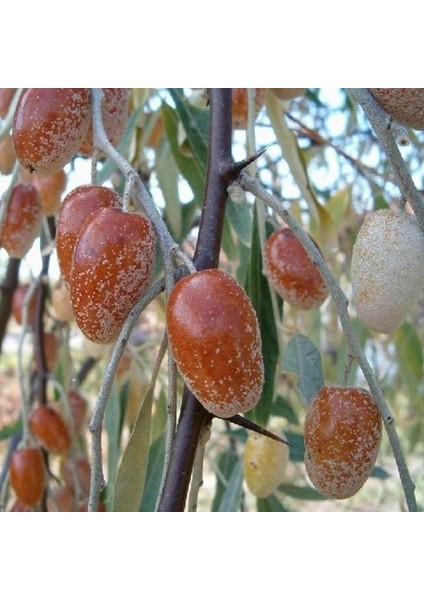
61	303
264	464
287	93
405	105
387	269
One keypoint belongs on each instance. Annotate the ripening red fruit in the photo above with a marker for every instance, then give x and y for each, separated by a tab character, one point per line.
50	187
240	106
292	273
27	475
112	266
49	126
18	300
342	440
7	155
22	221
115	109
50	429
6	97
215	340
76	207
264	464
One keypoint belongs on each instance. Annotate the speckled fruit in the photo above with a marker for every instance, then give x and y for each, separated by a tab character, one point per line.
215	340
292	273
287	93
405	105
7	155
50	429
112	265
49	126
18	299
387	269
50	187
264	464
6	97
240	106
22	221
115	109
342	440
27	475
76	207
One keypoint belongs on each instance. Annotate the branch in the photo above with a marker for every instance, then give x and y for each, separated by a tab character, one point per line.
8	286
341	302
193	417
379	120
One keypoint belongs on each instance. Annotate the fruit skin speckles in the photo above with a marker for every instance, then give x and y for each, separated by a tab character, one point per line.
292	273
342	439
387	269
215	340
22	221
112	266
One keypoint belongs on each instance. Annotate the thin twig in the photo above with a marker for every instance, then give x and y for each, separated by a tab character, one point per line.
341	302
379	121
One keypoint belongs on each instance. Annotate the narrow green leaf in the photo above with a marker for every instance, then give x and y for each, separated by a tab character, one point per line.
270	504
302	358
131	475
258	290
113	427
301	492
231	498
224	467
409	351
189	167
196	125
297	446
380	473
167	174
8	430
240	216
282	408
153	475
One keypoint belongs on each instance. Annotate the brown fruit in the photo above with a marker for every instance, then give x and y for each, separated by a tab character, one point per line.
7	155
78	407
112	266
75	472
18	300
287	93
264	464
291	271
405	105
115	109
22	221
50	187
51	348
27	475
76	207
61	303
215	340
50	429
61	499
49	126
342	440
240	105
6	97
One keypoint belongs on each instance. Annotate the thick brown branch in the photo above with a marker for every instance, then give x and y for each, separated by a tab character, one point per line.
9	285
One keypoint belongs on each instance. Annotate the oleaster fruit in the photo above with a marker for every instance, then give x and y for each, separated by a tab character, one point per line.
292	273
342	439
112	266
22	221
79	204
49	126
215	340
240	105
387	269
51	431
405	105
28	475
264	463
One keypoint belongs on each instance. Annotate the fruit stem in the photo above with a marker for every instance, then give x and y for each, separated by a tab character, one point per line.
378	119
251	185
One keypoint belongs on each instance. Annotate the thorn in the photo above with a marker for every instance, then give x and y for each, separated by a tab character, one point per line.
247	424
230	172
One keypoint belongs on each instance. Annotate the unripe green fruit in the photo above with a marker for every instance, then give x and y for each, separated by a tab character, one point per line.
387	269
